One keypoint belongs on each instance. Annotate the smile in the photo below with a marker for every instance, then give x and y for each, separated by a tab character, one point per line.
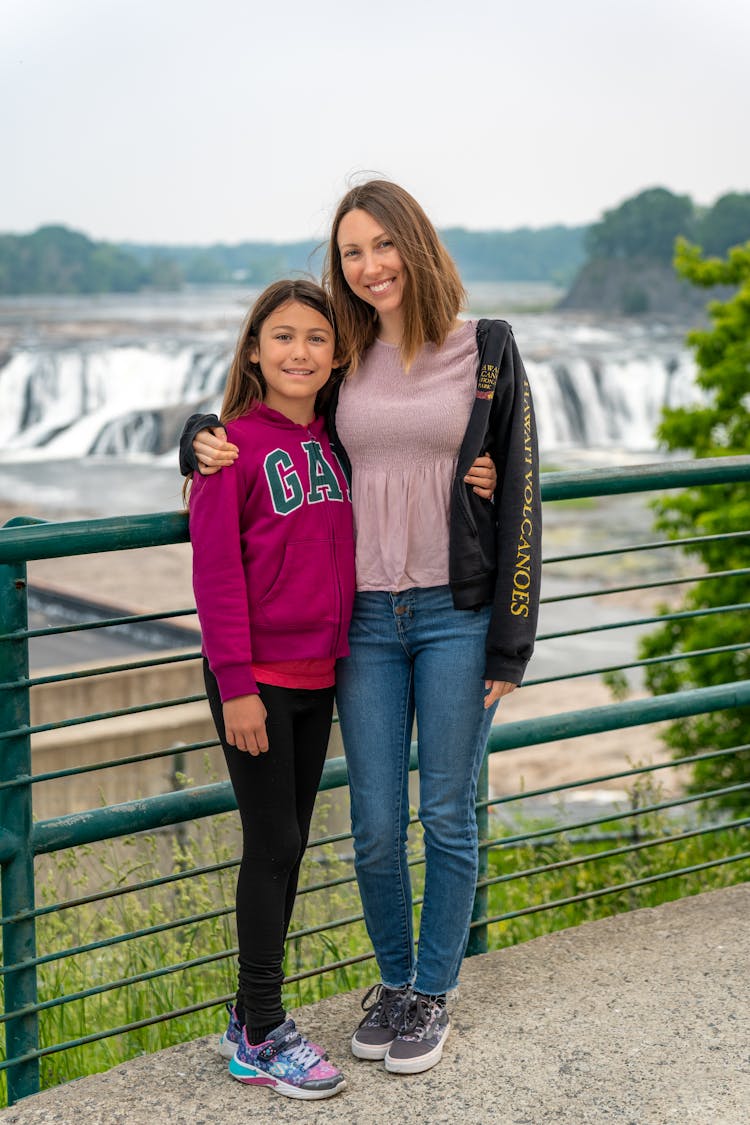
381	286
298	371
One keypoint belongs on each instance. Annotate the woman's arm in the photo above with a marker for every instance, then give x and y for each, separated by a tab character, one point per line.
203	446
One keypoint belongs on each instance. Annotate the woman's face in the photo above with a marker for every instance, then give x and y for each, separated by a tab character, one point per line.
371	264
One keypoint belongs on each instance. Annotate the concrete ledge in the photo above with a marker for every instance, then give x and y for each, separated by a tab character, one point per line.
642	1019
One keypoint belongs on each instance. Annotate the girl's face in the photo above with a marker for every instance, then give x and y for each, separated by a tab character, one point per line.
371	264
296	352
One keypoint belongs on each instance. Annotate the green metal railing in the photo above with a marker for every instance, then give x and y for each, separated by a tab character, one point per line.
22	839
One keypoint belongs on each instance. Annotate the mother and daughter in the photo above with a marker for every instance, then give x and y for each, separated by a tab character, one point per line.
366	398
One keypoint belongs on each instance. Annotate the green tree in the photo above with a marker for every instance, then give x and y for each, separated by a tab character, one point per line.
645	226
725	224
718	426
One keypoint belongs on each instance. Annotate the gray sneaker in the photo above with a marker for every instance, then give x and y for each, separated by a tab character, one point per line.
420	1044
384	1017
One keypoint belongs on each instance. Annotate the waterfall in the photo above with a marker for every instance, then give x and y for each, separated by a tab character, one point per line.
108	399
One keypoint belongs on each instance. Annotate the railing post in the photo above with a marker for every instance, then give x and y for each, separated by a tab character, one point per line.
19	938
478	934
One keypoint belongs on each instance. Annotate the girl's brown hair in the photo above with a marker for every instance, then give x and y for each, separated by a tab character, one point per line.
245	387
433	293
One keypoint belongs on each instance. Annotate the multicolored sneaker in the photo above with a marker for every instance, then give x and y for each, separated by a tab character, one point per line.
420	1044
288	1063
384	1018
230	1040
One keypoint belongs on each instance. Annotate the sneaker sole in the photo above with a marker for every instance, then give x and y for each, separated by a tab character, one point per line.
420	1063
251	1076
372	1052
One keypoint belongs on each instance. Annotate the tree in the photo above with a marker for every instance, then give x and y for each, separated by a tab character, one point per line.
719	426
645	226
725	224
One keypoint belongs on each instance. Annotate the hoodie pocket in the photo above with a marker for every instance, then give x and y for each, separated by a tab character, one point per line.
306	591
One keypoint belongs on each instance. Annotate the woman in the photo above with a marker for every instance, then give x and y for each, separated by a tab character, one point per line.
447	588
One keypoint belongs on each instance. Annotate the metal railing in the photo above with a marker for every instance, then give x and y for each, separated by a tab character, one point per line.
589	839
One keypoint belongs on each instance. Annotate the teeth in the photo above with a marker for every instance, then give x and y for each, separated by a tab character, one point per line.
380	286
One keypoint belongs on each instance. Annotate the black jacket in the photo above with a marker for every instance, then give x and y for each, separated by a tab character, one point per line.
495	554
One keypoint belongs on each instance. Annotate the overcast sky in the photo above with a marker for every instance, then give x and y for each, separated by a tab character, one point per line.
223	120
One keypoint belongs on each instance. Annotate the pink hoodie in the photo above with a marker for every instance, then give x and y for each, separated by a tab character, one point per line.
273	550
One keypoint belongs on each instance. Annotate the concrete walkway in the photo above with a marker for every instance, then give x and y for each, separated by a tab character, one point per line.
641	1019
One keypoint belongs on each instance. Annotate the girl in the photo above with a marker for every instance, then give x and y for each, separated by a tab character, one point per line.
273	575
447	588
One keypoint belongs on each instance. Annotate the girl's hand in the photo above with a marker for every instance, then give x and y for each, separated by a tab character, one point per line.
245	724
482	475
213	451
496	689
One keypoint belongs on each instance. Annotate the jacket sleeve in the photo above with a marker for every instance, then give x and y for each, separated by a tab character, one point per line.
510	638
191	429
219	583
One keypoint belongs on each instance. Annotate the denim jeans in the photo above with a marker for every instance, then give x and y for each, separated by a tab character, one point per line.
414	653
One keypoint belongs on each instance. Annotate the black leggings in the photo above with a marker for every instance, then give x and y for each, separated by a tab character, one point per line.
275	795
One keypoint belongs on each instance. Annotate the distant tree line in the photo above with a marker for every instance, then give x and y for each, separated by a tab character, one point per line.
647	226
55	259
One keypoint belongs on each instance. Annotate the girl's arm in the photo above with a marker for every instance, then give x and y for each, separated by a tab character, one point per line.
245	724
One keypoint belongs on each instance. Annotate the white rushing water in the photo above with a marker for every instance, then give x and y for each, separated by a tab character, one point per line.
118	380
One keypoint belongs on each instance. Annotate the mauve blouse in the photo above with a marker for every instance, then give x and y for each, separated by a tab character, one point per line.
402	431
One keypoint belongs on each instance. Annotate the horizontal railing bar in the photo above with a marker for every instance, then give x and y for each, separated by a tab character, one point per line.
604	591
618	889
193	803
610	853
711	611
93	537
616	716
112	763
117	892
605	818
672	658
83	626
581	483
635	771
106	670
99	536
111	986
654	545
120	713
118	939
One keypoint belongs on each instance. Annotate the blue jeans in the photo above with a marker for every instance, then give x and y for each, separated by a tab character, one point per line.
414	653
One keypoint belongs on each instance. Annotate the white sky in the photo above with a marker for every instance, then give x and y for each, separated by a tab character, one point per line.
209	120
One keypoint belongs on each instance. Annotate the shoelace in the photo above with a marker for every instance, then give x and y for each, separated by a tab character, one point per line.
419	1017
388	1004
300	1051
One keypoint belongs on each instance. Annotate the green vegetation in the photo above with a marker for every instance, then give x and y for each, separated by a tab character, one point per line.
555	867
646	226
629	266
58	260
719	426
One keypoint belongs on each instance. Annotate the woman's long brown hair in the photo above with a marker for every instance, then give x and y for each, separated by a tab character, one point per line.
433	293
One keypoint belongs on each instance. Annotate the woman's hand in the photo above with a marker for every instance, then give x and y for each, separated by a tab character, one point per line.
496	689
213	451
245	724
482	475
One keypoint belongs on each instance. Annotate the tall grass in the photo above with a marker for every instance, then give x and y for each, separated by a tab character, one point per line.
133	933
